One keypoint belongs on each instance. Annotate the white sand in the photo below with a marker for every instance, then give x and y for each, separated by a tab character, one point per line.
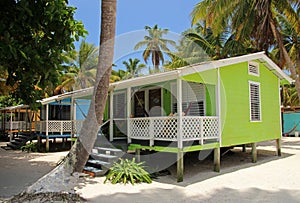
271	179
19	170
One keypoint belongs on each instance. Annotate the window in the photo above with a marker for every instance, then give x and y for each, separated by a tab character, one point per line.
119	105
253	68
255	108
193	98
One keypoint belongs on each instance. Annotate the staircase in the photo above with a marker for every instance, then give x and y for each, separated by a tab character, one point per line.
20	141
101	159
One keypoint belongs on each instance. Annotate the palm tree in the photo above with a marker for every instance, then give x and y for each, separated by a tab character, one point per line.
90	128
79	153
133	67
155	45
289	96
252	20
117	75
81	66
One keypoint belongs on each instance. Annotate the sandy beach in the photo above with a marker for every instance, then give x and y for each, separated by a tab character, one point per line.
271	179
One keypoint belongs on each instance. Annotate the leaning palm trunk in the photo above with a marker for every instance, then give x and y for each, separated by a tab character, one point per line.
287	58
63	178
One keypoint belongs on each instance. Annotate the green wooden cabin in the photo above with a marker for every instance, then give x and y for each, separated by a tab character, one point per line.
223	103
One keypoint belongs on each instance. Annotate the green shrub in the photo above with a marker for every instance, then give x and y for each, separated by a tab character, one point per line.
128	171
31	147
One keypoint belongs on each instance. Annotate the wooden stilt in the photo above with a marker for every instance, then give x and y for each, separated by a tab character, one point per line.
217	159
47	144
254	153
39	141
180	165
278	146
138	155
244	148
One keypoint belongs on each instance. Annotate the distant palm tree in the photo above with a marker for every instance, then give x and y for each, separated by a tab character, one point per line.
155	45
289	96
80	70
133	67
117	75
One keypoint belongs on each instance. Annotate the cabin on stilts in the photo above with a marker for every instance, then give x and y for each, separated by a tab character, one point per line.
206	106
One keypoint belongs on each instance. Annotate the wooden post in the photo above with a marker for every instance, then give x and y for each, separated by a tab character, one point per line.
11	137
179	132
244	148
217	159
278	146
111	116
254	153
47	135
128	110
138	155
180	165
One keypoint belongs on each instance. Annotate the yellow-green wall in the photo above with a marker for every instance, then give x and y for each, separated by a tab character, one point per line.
236	125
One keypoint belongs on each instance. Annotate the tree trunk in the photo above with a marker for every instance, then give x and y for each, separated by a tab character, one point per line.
287	58
62	178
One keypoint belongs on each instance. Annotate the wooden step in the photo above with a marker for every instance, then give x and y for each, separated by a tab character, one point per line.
13	146
106	156
108	149
20	139
98	162
93	171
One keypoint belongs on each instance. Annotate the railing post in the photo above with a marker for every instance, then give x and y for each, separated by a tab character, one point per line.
47	133
11	128
201	131
128	110
151	130
61	127
180	153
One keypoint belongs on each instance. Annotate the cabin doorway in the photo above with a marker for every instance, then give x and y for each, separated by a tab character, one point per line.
148	103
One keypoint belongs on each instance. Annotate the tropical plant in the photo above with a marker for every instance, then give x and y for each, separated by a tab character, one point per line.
188	52
155	45
126	171
255	20
289	96
117	75
33	35
133	67
31	147
80	71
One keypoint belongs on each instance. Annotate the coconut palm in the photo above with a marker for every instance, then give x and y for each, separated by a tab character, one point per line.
133	67
289	96
155	45
252	20
117	75
80	70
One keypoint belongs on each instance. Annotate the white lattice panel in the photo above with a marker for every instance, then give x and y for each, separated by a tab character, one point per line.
139	127
66	126
210	127
191	127
164	128
54	126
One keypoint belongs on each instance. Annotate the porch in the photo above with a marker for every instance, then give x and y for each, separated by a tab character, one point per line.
17	119
203	129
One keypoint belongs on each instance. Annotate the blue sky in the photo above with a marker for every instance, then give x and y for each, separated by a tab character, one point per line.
132	17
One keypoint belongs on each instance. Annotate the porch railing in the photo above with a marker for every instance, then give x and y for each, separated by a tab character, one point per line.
165	128
15	125
58	126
